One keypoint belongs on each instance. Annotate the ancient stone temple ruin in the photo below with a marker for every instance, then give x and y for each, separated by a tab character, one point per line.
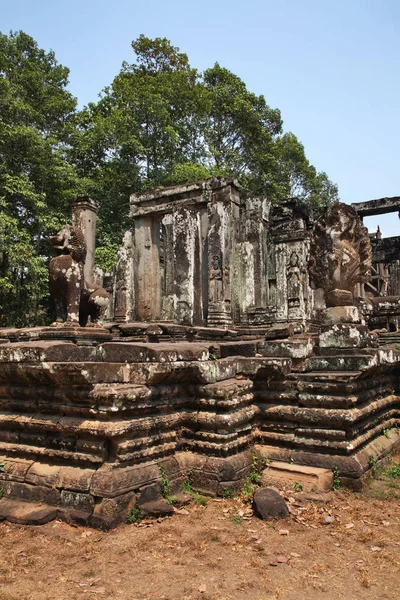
236	329
204	254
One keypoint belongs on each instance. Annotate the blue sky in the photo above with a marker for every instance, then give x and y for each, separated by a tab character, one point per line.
330	66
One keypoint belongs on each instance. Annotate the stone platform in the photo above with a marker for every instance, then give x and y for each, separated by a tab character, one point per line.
88	424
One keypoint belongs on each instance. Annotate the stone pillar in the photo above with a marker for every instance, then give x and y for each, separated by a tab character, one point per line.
124	285
254	293
84	211
223	220
187	271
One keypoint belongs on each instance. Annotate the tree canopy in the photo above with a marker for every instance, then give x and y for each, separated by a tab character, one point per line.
37	181
160	122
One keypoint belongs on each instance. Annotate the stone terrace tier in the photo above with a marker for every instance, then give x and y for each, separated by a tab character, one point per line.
88	426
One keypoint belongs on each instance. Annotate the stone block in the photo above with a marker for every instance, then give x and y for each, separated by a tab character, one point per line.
110	512
162	352
280	331
296	347
26	513
43	474
341	314
77	501
338	298
15	469
157	508
269	504
247	348
359	362
285	475
343	335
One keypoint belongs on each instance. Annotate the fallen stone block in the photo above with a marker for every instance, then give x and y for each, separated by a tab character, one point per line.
26	513
297	477
269	504
157	508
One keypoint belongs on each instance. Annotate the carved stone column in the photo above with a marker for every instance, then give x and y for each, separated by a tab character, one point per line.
84	211
223	218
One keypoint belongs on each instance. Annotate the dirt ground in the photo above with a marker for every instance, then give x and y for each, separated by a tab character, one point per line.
217	552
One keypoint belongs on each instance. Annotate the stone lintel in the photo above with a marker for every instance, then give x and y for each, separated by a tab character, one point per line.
164	199
380	206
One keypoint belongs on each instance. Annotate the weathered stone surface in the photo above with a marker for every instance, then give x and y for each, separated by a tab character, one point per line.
112	511
341	314
157	508
26	513
341	254
162	352
343	335
280	330
269	504
286	476
296	347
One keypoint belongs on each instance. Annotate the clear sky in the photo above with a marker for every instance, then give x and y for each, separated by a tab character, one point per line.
330	66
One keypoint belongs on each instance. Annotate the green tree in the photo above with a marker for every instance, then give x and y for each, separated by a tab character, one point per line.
146	123
240	131
297	178
37	182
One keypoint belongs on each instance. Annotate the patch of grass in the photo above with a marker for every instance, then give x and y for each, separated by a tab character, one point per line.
165	484
136	515
392	471
228	492
2	467
373	465
336	478
237	520
297	487
196	497
254	473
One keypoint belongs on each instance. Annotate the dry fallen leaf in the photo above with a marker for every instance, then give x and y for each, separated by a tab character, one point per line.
349	525
376	548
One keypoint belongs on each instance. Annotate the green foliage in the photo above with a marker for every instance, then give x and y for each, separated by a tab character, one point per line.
2	469
37	182
227	492
136	515
254	474
165	484
106	256
297	487
159	123
197	498
336	478
392	471
373	464
163	123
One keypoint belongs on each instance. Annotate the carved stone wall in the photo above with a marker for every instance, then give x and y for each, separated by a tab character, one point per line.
205	254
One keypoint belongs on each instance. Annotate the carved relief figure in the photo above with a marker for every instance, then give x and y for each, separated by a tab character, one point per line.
216	283
294	280
341	253
76	301
125	257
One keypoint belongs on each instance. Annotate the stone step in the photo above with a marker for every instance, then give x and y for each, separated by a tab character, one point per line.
295	347
355	362
298	478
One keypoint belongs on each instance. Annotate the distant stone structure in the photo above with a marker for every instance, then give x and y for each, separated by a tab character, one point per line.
239	328
381	295
205	254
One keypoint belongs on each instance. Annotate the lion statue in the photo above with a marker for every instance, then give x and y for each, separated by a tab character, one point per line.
76	300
